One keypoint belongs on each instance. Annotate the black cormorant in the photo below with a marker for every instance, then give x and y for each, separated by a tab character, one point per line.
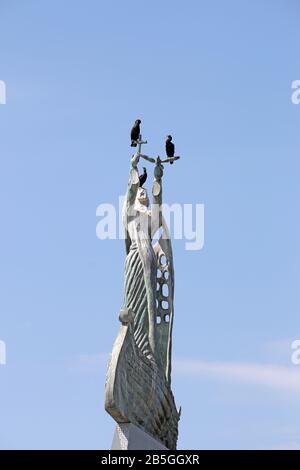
135	133
170	147
143	177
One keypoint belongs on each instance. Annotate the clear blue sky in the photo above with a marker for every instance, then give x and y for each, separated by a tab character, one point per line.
217	75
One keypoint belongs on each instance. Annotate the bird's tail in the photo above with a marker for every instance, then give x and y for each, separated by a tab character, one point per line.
133	143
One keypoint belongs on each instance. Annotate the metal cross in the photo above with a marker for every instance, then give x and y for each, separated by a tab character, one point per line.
140	142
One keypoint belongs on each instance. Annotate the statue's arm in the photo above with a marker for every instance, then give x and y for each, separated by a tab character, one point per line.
134	182
128	208
156	219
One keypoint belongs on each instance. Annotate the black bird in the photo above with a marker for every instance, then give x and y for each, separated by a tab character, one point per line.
143	177
135	133
170	147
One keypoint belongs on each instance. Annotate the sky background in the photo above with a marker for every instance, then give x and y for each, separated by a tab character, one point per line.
217	75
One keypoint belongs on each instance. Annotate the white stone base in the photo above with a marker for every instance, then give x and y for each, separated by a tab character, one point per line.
129	437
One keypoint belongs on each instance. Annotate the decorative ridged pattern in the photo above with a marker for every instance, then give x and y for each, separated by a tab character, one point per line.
136	299
141	394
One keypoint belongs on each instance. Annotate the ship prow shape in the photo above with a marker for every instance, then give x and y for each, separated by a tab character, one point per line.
137	392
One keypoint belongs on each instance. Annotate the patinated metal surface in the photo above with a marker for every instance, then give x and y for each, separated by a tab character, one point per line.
138	385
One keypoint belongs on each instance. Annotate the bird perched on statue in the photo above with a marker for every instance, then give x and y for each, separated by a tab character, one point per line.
135	133
143	177
170	147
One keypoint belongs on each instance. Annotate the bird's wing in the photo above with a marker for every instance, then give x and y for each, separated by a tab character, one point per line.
170	149
133	133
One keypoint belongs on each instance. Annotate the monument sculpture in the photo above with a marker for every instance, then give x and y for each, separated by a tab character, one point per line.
138	384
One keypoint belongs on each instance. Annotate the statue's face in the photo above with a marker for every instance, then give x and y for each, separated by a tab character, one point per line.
143	197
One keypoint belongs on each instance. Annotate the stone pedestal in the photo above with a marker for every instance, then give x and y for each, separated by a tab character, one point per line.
129	437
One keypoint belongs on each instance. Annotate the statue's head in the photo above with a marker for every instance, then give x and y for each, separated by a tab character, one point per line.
169	138
142	197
